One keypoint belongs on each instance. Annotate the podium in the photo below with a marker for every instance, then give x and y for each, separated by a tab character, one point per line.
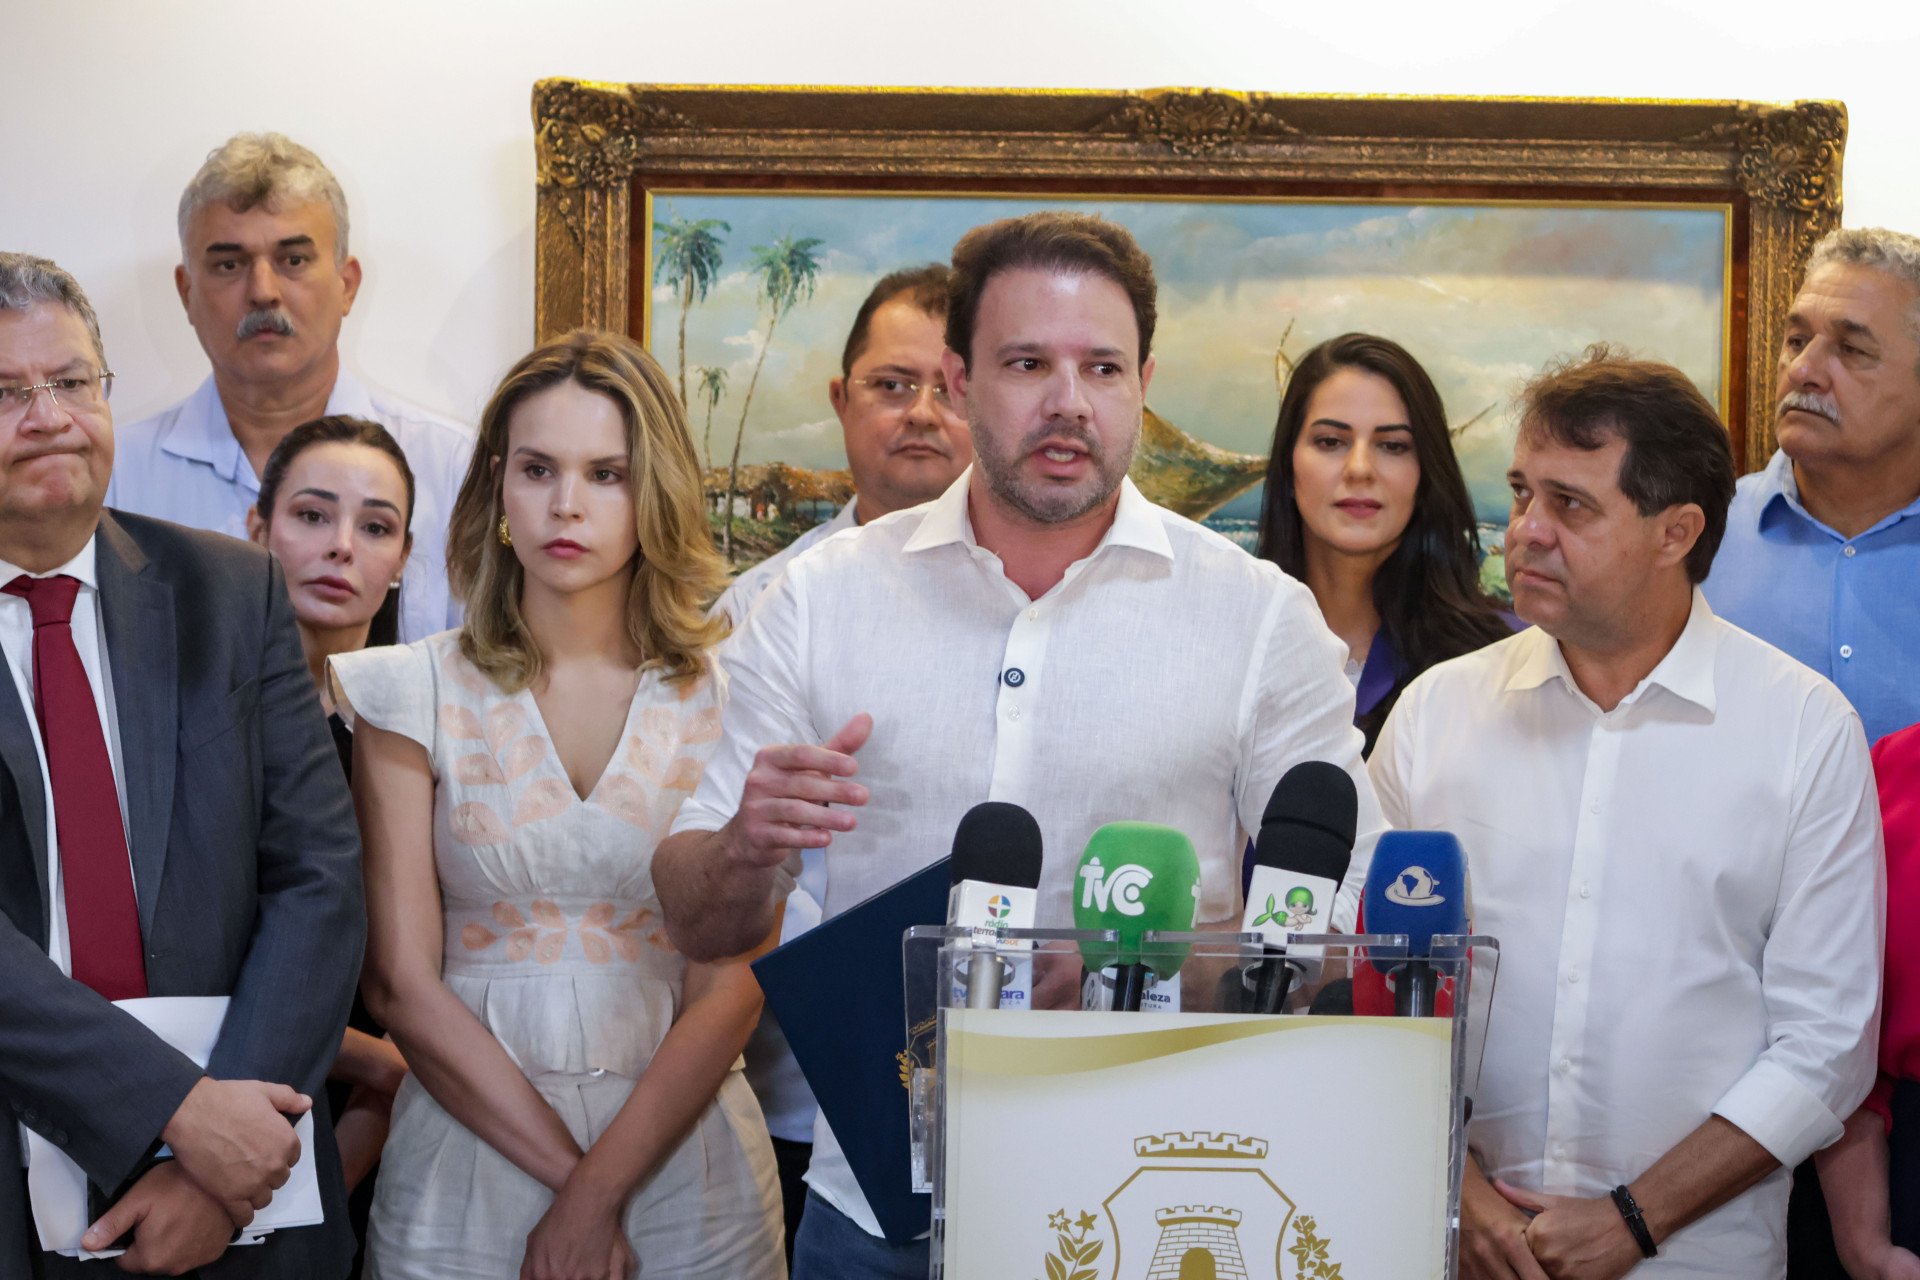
1190	1140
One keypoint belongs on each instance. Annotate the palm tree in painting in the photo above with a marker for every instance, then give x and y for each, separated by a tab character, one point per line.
689	259
712	386
787	271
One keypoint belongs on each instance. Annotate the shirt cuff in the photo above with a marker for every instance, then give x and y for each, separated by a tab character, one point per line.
1880	1100
693	817
1778	1112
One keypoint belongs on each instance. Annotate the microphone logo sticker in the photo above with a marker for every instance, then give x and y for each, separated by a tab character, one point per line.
1295	915
999	907
1121	887
1415	887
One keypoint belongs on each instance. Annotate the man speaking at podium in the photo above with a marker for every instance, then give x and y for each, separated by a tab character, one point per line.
1039	634
1674	835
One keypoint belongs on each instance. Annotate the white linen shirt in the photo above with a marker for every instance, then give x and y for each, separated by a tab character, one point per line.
89	638
1168	677
776	1078
1688	892
739	596
185	465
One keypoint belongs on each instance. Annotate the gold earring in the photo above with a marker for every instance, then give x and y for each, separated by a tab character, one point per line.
506	534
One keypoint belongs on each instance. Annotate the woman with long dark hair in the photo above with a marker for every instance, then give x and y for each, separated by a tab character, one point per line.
336	509
1366	505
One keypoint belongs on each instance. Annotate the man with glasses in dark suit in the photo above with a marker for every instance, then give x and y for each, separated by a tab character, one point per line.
172	823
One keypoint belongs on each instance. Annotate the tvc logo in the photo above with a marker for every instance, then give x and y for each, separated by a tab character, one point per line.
1121	887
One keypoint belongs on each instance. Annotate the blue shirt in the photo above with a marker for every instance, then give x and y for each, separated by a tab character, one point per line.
185	465
1847	607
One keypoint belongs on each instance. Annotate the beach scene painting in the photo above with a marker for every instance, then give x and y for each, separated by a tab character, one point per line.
752	295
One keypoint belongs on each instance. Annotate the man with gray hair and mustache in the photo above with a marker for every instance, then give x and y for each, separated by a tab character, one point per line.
1822	551
266	279
1822	559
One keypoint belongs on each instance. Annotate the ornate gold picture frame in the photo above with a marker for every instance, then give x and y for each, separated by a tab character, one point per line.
604	151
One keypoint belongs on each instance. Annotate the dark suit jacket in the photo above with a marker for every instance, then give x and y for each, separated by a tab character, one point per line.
246	865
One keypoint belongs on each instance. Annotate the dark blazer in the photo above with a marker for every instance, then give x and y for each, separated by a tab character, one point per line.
246	865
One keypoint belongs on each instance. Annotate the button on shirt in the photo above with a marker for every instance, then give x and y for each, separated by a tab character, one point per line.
185	465
1847	607
1169	677
89	638
1688	894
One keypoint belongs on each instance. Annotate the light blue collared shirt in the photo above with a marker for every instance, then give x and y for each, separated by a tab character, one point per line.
1847	607
185	465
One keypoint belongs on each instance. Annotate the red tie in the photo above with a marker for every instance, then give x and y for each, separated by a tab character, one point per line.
103	920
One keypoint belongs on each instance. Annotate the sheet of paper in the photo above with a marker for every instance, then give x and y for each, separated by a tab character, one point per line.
58	1188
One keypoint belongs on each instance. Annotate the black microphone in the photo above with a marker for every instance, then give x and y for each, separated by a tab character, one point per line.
1300	856
996	880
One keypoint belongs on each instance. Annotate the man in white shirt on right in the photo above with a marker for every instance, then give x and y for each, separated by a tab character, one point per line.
1673	831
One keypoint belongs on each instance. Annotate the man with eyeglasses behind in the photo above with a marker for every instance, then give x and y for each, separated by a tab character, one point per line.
905	445
172	823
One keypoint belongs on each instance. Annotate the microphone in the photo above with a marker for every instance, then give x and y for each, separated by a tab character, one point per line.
1417	885
1135	877
1300	856
996	879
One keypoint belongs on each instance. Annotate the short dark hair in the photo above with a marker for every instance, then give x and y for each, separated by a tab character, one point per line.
1050	240
924	287
1677	449
336	428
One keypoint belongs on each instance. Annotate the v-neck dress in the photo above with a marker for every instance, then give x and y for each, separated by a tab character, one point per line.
553	938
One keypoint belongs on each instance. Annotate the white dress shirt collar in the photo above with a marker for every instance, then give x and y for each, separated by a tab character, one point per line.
1136	522
1686	671
202	433
83	566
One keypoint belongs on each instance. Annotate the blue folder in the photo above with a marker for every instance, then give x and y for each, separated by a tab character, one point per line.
838	991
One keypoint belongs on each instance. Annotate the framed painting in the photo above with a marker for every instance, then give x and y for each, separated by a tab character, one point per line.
1487	236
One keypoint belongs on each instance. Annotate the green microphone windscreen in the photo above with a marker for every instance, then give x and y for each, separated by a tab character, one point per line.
1136	877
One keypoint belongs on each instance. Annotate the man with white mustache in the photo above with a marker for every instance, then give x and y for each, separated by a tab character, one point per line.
1822	558
266	280
1822	554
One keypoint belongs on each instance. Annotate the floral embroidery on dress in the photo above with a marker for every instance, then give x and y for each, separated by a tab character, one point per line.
705	727
478	769
545	939
504	721
626	799
475	822
523	755
543	798
460	722
468	677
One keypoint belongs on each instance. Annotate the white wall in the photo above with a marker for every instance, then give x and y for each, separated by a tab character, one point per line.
422	108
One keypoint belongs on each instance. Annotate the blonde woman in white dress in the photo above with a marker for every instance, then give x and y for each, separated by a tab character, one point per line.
576	1109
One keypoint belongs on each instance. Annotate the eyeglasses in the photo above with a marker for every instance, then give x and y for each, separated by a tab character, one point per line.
79	392
897	393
